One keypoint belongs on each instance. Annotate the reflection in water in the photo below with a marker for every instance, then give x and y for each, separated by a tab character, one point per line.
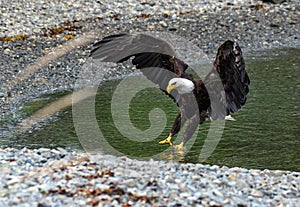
172	155
264	135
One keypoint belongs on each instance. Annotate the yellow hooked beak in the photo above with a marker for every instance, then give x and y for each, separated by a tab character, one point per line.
170	88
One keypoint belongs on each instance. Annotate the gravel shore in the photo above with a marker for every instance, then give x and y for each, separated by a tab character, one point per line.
35	30
56	177
43	46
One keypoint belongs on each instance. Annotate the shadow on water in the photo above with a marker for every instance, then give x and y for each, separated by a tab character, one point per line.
265	135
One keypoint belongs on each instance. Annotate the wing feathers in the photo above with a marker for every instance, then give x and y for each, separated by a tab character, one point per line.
117	47
156	59
231	67
147	50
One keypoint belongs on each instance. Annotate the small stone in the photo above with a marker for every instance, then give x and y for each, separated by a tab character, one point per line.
163	24
102	187
55	151
232	176
166	13
129	183
265	43
6	51
62	150
134	174
196	177
14	180
184	195
36	30
218	193
213	203
256	193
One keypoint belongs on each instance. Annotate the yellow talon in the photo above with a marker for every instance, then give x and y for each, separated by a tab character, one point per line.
167	141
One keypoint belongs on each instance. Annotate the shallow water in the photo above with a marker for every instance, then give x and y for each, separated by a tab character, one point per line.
264	135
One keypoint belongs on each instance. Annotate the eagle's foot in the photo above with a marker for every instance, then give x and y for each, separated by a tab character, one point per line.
167	141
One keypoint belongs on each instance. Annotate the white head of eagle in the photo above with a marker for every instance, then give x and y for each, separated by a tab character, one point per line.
182	85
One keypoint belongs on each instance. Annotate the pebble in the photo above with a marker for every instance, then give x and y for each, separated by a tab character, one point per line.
256	193
163	23
6	51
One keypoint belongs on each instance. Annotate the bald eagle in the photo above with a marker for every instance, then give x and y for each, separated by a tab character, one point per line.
222	91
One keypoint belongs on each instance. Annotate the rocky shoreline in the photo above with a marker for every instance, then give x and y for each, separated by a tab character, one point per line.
56	177
35	30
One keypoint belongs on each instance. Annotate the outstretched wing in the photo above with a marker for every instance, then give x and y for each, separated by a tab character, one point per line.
230	66
155	57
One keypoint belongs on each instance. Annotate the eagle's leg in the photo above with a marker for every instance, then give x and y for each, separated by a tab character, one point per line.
175	129
190	130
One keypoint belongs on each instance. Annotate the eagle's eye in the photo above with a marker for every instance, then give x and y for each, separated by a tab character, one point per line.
173	84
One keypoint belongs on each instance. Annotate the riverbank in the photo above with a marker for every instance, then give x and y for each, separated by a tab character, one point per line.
56	177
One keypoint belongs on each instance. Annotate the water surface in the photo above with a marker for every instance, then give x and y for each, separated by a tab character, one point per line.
264	135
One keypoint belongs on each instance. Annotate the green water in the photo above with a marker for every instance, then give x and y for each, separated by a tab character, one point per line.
265	135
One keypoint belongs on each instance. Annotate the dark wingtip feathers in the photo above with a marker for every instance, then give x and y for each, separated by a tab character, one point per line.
106	39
